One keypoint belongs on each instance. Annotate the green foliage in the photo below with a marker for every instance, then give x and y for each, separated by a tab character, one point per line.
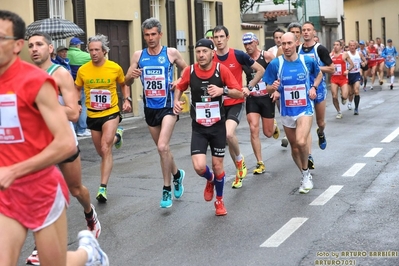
295	3
246	5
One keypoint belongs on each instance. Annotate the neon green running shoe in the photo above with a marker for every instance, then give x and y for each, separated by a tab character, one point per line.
102	195
119	131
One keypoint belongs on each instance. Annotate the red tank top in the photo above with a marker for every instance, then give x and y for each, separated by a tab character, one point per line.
373	53
339	64
235	67
23	132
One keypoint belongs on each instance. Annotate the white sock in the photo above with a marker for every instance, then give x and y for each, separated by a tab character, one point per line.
239	158
392	79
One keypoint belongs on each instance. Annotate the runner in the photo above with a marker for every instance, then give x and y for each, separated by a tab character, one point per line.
364	71
100	77
277	33
321	55
259	103
296	100
33	192
354	76
380	65
390	55
343	64
209	82
154	66
40	49
235	60
373	62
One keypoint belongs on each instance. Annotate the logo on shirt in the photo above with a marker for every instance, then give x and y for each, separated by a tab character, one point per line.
301	76
153	71
232	65
145	59
287	77
161	59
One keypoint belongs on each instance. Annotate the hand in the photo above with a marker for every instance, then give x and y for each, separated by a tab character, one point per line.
136	73
275	96
276	85
177	108
312	93
173	84
126	107
245	91
214	91
6	178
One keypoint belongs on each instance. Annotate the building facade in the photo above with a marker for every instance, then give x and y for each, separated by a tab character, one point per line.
183	21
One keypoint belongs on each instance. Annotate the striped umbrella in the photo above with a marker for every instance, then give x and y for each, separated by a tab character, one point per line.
57	28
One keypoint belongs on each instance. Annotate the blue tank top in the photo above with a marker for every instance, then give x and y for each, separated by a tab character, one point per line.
313	54
156	77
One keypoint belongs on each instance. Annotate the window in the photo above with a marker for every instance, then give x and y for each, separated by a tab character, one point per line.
357	30
370	29
57	10
383	32
154	9
206	11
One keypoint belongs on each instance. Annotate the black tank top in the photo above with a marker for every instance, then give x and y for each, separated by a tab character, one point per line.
249	72
199	88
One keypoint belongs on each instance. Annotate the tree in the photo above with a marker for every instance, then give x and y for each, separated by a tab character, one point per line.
246	5
295	3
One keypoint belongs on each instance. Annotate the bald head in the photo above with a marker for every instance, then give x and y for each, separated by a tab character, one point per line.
288	45
289	36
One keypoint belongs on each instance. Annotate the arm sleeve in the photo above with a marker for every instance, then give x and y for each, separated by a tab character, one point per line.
121	76
228	78
243	58
324	55
78	80
185	79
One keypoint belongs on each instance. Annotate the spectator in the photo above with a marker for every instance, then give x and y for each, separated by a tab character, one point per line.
77	58
61	58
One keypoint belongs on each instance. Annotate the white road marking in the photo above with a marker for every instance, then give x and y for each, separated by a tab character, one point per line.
373	152
326	195
284	232
391	136
354	169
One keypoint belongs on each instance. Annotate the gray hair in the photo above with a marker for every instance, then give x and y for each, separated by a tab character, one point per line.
150	23
99	38
294	25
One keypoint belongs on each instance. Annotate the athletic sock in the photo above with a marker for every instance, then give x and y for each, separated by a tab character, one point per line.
168	188
177	175
89	215
357	100
207	174
103	185
219	184
239	158
392	79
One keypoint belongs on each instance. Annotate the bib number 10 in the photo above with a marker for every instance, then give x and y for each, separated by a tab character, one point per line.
295	95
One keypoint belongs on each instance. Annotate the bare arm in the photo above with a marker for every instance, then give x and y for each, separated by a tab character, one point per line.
269	56
69	93
328	69
133	72
176	58
63	144
349	60
279	51
259	74
126	105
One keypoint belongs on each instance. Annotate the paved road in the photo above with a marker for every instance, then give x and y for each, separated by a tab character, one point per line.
351	212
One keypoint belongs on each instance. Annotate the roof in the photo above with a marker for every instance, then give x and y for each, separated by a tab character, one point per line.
250	26
271	15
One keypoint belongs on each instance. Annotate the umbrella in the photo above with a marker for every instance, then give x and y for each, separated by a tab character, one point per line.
57	28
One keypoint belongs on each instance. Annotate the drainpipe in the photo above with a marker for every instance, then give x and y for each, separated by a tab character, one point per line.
190	32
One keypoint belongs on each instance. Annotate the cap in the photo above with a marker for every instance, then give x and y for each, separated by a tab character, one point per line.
61	48
361	42
209	34
75	41
389	40
205	43
249	37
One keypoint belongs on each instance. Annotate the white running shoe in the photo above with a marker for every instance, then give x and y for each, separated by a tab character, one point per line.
93	224
95	255
338	116
349	106
306	184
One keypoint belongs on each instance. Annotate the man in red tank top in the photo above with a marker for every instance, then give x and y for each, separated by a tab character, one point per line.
340	77
234	60
34	136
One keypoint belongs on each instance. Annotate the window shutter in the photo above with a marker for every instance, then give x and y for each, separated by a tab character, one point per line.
40	9
145	13
171	25
199	20
219	13
79	17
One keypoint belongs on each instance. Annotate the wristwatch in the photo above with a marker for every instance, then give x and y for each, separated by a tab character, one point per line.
127	98
250	87
313	86
225	91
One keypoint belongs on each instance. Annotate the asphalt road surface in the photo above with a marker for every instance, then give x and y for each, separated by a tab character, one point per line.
349	218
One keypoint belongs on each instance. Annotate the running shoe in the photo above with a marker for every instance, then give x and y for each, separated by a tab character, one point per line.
343	101
310	162
33	259
220	209
338	116
166	201
260	168
391	86
241	168
237	182
284	142
322	140
381	82
102	195
371	88
209	190
178	183
356	112
93	224
119	131
349	106
276	133
306	184
95	255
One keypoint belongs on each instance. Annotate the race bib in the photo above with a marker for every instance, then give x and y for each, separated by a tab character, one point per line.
100	99
390	58
338	69
207	113
10	126
295	95
356	67
154	82
259	89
